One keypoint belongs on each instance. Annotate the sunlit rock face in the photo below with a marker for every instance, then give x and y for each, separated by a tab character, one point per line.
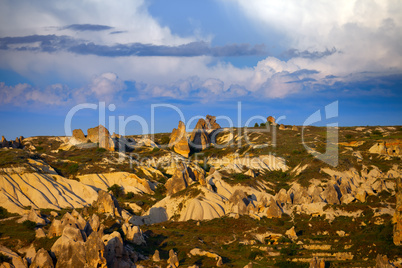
178	140
398	215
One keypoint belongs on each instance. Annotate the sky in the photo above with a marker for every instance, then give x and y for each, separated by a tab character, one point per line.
153	63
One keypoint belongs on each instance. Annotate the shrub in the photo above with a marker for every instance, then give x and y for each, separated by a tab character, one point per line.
4	258
4	213
165	140
100	150
263	124
348	136
256	125
291	250
73	168
116	190
129	195
30	225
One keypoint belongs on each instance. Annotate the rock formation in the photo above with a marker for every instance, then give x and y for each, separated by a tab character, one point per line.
271	120
390	147
282	127
116	254
398	215
79	135
17	143
178	140
317	263
294	128
133	233
199	139
211	122
173	260
107	203
182	178
101	135
42	259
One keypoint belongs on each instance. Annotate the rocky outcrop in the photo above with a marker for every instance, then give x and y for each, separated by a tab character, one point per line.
294	128
133	233
317	263
42	259
78	134
178	140
274	209
71	249
211	122
69	220
107	203
199	139
17	143
101	135
116	254
35	216
398	215
173	260
20	189
271	120
390	147
282	127
16	260
182	178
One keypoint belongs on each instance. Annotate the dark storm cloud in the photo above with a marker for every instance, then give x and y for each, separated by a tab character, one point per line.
53	43
88	27
295	53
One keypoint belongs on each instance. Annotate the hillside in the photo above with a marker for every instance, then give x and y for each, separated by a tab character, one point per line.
247	196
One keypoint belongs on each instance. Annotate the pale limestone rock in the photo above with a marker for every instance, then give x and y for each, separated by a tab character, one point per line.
133	234
361	195
107	203
35	216
95	251
274	210
178	140
42	259
238	203
173	260
317	263
57	226
282	127
330	195
182	178
39	233
199	139
249	265
347	198
156	257
116	254
102	136
78	134
291	233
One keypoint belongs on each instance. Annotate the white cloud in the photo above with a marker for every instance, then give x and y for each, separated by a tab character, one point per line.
106	86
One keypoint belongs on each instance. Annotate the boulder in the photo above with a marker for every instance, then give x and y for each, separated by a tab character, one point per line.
107	203
4	143
116	254
42	259
101	135
95	251
294	128
317	263
330	195
35	216
78	134
73	220
178	140
39	233
271	120
133	233
397	220
156	257
69	249
291	233
238	203
274	210
282	127
173	260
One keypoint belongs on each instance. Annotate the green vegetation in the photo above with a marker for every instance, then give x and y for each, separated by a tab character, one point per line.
4	258
15	234
5	214
30	225
117	190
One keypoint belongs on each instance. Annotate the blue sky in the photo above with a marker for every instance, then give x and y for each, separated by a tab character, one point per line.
280	58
